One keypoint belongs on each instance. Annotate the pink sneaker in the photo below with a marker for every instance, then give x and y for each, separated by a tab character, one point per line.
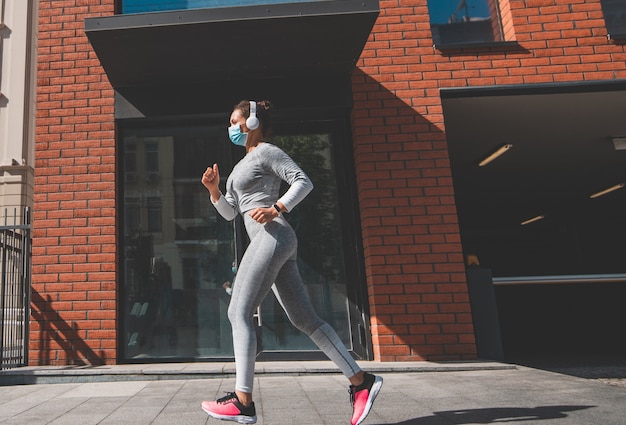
229	408
363	396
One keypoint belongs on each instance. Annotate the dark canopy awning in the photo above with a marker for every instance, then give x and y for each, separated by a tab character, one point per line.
287	40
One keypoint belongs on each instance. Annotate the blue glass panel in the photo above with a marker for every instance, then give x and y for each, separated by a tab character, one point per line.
463	21
141	6
449	11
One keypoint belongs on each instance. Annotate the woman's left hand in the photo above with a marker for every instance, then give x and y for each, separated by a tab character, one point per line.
263	215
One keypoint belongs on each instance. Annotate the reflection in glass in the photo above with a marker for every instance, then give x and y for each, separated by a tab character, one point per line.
179	254
464	21
320	254
140	6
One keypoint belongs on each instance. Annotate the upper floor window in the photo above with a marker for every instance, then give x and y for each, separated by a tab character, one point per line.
615	17
141	6
464	21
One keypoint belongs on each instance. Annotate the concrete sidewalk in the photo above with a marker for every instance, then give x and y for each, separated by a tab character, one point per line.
312	393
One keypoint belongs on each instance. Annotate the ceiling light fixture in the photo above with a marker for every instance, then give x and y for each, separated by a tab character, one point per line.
619	143
608	190
532	220
494	155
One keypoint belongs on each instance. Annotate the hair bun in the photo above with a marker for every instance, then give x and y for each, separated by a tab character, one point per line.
264	104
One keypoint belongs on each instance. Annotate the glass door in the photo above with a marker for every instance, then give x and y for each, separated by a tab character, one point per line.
321	262
178	253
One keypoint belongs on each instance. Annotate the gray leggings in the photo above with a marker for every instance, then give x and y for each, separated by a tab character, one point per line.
270	263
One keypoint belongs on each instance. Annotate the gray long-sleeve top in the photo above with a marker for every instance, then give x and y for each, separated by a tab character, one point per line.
255	182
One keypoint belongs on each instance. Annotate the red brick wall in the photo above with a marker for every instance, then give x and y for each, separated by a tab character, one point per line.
414	261
74	307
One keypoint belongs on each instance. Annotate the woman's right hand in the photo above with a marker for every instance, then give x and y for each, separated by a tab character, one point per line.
211	180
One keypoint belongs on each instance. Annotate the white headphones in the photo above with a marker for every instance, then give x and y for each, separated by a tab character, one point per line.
252	122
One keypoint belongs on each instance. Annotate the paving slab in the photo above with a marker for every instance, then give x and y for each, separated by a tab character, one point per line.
314	394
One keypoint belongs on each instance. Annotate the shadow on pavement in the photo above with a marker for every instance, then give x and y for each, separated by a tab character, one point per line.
494	415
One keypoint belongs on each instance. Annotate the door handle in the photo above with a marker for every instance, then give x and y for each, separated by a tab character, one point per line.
259	316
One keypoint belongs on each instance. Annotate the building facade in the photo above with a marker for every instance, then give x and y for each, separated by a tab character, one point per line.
393	108
17	105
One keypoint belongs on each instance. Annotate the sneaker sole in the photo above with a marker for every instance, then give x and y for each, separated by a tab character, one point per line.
378	383
242	419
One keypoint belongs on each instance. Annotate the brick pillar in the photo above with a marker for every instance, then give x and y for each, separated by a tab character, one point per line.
414	264
74	306
506	19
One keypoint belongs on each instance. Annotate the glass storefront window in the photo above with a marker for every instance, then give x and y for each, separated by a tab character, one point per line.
320	254
464	21
179	253
141	6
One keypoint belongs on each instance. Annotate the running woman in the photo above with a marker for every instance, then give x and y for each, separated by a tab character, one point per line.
269	263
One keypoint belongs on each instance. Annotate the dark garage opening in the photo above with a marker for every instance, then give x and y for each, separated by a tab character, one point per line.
560	278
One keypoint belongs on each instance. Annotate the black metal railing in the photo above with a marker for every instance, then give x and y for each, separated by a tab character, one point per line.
15	255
